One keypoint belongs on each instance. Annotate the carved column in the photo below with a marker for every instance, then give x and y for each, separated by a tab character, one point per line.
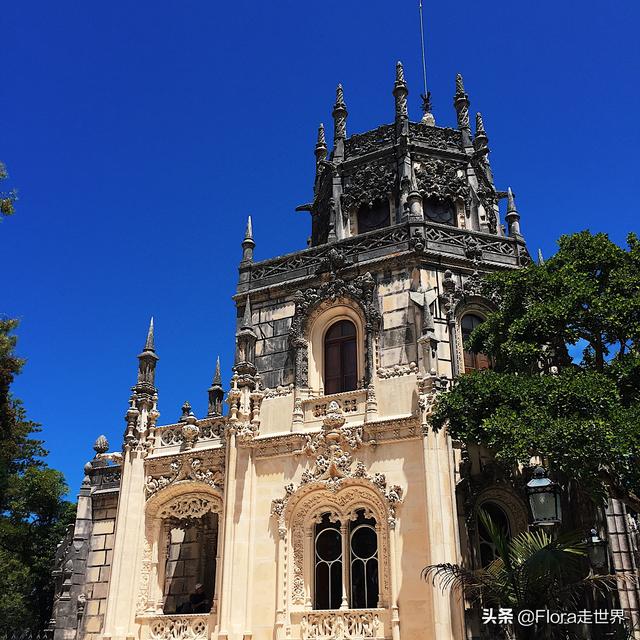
395	615
344	533
281	596
309	566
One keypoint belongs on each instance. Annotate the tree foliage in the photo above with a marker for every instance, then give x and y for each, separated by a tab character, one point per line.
7	198
33	511
565	343
532	571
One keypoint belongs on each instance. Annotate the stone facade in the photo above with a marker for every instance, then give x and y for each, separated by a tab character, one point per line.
405	219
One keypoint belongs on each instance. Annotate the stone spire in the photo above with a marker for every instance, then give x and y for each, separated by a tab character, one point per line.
147	365
321	145
481	141
248	244
540	257
461	103
400	93
246	339
340	114
512	217
216	393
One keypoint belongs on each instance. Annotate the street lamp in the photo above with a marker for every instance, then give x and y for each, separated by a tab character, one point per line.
597	550
544	498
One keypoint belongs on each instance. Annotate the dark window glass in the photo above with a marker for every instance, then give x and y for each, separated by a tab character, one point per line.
440	211
340	358
472	361
364	563
488	551
374	217
328	564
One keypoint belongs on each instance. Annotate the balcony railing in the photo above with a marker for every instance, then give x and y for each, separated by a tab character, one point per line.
186	626
351	624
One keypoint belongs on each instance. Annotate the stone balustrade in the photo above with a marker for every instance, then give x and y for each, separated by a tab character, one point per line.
187	626
351	624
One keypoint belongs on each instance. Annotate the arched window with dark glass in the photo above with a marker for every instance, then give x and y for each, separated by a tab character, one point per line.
373	217
440	211
487	548
328	564
340	358
363	547
472	361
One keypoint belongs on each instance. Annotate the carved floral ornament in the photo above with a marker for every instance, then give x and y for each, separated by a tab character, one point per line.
367	184
206	469
440	179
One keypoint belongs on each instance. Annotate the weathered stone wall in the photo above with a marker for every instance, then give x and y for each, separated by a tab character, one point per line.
99	563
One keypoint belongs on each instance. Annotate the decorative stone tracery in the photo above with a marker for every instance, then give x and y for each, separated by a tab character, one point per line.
206	467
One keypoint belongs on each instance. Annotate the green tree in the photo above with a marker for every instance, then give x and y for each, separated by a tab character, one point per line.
533	572
7	198
565	385
33	511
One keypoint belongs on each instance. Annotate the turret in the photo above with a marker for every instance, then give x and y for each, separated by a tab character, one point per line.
248	244
216	393
147	365
461	103
246	339
512	217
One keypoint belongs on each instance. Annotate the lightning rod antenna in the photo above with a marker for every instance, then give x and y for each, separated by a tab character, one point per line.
424	63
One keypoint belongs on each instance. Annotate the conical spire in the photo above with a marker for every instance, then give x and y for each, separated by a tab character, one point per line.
247	243
340	114
148	345
321	145
461	103
400	92
246	318
540	257
512	217
481	141
217	376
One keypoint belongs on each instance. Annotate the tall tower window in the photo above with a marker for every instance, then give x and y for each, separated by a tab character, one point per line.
441	211
364	563
373	217
472	361
340	358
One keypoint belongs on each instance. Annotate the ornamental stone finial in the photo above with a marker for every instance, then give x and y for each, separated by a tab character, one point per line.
540	257
246	318
400	92
340	114
512	217
248	244
101	445
217	376
481	141
149	343
321	145
461	103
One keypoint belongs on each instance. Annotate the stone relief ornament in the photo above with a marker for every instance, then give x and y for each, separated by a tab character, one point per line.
334	625
368	184
209	469
440	179
179	628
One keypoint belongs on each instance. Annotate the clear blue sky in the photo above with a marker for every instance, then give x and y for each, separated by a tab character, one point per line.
141	134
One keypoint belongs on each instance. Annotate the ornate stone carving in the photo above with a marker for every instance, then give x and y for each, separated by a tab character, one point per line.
436	137
440	179
360	289
182	627
189	506
397	370
368	184
341	625
359	144
207	468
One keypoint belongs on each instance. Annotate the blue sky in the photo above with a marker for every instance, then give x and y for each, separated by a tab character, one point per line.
141	134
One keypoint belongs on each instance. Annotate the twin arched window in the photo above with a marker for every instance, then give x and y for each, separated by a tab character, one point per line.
346	557
340	358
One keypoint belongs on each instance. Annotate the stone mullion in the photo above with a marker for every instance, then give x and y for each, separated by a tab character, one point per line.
344	531
309	567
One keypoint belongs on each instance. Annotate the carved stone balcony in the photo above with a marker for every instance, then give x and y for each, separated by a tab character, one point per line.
186	626
352	403
350	624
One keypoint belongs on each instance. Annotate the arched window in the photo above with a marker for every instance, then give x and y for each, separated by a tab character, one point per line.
364	562
486	546
441	211
328	564
373	217
340	358
360	573
472	361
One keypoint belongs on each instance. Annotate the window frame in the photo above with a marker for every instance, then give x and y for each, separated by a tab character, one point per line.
342	342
